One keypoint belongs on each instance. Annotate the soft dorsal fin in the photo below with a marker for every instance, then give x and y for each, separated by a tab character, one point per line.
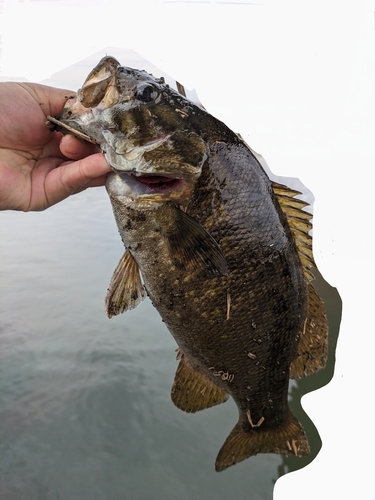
300	224
313	345
312	350
192	391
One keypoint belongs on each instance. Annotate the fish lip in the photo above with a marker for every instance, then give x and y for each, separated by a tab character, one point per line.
159	182
127	185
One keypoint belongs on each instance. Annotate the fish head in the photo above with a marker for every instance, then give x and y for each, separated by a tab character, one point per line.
149	133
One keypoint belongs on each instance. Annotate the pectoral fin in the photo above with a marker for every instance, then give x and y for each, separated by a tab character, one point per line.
188	242
193	391
313	345
125	290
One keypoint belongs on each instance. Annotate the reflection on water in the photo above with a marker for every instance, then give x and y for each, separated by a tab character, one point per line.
86	412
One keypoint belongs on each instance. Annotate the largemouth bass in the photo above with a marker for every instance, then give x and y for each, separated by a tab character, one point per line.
224	253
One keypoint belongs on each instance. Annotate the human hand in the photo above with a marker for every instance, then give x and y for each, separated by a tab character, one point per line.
30	153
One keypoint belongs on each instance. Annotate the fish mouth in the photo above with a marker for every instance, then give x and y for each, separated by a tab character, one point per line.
158	183
149	189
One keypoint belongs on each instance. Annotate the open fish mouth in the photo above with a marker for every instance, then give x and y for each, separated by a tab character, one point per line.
158	183
148	188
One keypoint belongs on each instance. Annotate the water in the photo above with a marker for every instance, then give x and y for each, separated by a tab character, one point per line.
86	412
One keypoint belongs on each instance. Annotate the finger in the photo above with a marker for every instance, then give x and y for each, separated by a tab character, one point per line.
76	176
97	182
75	148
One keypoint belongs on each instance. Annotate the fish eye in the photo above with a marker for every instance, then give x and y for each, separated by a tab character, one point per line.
146	93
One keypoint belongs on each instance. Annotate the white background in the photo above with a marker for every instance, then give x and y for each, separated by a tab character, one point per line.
297	79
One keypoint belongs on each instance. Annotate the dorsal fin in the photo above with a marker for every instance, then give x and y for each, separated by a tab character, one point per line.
312	350
313	345
299	222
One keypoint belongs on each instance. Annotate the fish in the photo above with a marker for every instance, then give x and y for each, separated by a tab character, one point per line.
223	252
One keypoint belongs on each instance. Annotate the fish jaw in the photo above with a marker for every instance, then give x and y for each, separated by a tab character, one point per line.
140	124
158	156
148	191
99	92
99	88
129	150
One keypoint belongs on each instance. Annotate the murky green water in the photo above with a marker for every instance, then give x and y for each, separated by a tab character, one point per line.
86	412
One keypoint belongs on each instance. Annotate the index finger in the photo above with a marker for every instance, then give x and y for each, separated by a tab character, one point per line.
76	149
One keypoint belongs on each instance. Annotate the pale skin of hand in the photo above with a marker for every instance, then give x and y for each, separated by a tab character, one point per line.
39	168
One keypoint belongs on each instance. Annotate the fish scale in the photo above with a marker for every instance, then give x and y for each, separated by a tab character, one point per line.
214	345
224	254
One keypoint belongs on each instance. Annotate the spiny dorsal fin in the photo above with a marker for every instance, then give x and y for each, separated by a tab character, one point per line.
192	391
312	350
125	290
300	224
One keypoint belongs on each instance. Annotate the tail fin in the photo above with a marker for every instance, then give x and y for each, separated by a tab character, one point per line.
287	439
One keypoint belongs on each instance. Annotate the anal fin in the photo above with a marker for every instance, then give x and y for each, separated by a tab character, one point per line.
125	290
312	349
288	438
192	391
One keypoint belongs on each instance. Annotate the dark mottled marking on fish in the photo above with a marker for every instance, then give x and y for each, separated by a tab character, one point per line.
225	254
